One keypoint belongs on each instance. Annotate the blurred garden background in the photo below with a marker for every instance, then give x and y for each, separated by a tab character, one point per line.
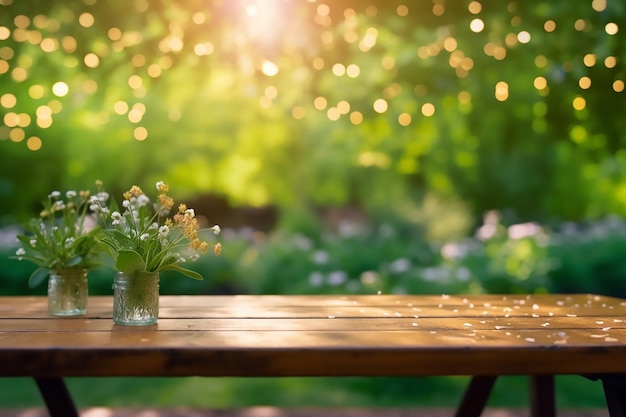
344	146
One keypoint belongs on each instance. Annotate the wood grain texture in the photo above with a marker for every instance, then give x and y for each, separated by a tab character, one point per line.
377	335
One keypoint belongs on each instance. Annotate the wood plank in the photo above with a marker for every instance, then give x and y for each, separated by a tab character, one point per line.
151	337
478	300
463	343
242	306
464	324
306	354
485	300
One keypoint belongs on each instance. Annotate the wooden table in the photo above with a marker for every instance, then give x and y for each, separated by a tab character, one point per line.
483	336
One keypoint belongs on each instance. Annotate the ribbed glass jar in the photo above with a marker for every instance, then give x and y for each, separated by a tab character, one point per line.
67	292
136	298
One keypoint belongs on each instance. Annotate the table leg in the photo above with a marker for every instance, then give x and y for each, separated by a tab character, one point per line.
615	394
476	396
542	396
57	397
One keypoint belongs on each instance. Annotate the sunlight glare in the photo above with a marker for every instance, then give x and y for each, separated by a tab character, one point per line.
33	143
264	20
269	68
60	89
251	11
477	25
502	91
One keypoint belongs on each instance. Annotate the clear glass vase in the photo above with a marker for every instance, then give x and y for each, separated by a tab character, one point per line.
136	298
67	292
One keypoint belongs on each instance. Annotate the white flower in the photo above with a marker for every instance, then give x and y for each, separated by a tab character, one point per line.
58	205
522	230
142	200
216	230
33	242
70	194
400	265
452	251
302	242
144	237
369	277
116	218
163	231
159	184
69	241
126	204
337	278
463	274
20	252
320	257
316	278
190	213
103	196
55	194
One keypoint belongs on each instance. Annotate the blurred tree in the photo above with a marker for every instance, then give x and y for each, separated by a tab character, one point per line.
306	103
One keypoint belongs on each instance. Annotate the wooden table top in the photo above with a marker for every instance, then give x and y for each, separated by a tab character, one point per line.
321	335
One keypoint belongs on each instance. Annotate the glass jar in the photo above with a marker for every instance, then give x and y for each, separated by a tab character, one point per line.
67	292
136	298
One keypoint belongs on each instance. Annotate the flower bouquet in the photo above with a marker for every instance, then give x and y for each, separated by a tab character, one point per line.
63	242
143	240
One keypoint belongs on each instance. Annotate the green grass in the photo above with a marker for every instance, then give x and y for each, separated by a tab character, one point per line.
571	392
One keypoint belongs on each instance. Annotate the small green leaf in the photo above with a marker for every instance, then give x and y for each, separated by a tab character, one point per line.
25	240
34	259
129	261
184	271
38	276
74	261
108	249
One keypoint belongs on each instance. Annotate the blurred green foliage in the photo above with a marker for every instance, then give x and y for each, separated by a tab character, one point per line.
392	258
301	104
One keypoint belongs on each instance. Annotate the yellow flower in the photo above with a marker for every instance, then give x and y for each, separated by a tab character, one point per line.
162	187
204	246
166	201
134	191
